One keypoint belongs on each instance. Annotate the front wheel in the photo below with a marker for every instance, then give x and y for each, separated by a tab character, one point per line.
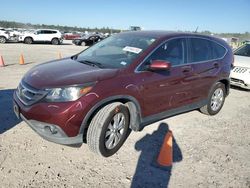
108	129
216	100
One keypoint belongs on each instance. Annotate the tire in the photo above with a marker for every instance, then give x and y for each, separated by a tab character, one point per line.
83	43
103	137
2	39
55	41
28	40
216	100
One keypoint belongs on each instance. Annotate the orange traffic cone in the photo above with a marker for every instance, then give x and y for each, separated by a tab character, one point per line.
59	55
21	60
165	157
1	61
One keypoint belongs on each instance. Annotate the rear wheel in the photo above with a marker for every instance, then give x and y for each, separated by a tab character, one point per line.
28	40
2	39
215	101
108	129
55	41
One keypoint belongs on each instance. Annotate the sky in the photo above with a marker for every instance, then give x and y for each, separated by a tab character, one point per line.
186	15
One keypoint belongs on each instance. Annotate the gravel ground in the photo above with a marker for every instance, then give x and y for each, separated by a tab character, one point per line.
208	151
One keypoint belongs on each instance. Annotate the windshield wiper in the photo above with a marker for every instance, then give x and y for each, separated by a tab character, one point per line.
91	63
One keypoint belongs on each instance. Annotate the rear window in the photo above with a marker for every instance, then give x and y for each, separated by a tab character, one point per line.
205	50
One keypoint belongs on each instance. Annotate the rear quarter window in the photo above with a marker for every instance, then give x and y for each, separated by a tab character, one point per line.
205	50
200	50
218	50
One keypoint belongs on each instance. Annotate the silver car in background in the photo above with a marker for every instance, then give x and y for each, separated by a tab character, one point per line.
240	74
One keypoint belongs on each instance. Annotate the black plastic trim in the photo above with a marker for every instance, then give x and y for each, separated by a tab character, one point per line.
106	101
162	115
61	138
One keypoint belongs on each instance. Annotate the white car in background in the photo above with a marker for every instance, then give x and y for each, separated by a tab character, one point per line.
240	74
42	35
4	36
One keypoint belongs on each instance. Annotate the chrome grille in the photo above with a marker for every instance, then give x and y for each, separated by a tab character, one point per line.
29	95
239	70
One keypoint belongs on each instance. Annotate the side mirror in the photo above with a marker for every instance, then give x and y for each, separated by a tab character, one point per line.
158	65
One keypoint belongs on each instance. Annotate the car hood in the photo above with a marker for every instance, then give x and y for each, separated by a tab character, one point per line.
241	61
65	72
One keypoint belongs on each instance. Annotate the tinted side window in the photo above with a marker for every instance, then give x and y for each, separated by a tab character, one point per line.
200	50
172	51
47	32
42	31
218	50
243	51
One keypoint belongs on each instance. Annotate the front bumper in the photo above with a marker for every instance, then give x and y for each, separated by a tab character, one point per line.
61	40
52	133
239	83
67	116
240	79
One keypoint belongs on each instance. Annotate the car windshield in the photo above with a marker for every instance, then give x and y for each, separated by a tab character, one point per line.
117	51
243	51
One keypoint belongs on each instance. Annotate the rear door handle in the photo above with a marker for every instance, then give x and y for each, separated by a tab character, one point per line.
186	69
216	65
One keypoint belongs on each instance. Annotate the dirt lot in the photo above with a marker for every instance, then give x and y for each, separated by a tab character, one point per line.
208	151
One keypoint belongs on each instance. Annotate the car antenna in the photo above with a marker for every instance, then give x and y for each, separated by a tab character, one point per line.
196	30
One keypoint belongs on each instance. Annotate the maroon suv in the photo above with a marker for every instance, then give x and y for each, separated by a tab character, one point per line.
124	82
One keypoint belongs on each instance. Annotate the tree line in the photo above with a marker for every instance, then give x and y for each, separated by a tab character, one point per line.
12	24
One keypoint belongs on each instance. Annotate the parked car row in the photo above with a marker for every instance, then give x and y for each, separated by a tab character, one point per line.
48	36
31	36
42	35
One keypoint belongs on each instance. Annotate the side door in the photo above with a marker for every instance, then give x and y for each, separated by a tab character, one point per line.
38	36
165	90
205	65
47	35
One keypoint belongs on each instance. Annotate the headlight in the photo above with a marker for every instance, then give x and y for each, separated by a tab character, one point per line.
67	94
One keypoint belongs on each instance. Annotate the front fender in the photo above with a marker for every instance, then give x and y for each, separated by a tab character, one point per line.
131	102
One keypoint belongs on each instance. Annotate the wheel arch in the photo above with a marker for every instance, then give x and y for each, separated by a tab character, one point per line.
55	38
131	103
28	37
226	82
4	37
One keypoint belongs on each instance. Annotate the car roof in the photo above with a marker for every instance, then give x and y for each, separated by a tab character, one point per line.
165	34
